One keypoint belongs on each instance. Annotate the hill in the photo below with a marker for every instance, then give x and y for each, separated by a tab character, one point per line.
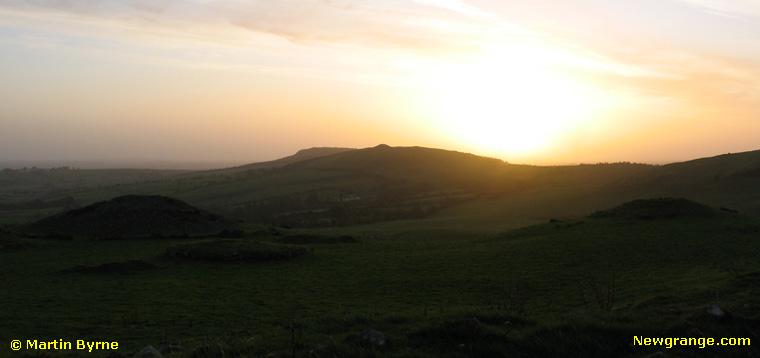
323	187
301	155
335	187
134	215
657	209
385	184
728	180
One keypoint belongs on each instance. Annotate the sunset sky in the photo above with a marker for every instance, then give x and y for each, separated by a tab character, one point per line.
538	82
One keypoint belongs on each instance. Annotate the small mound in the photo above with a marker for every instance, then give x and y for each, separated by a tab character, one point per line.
658	209
234	250
128	267
135	215
306	239
9	242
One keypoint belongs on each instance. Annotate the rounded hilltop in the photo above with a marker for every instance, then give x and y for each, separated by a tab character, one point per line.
135	216
659	208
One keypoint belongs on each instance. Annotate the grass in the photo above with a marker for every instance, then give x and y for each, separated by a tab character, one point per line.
517	253
311	239
11	243
233	250
532	291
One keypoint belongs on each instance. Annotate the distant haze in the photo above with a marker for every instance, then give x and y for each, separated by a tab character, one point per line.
214	82
117	164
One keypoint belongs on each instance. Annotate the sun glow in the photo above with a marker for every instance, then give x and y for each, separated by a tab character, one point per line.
512	102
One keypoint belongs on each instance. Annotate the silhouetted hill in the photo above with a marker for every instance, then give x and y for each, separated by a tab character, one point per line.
439	167
301	155
413	164
660	208
134	215
384	183
728	180
339	187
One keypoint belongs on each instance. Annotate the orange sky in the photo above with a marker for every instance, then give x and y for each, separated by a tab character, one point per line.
540	82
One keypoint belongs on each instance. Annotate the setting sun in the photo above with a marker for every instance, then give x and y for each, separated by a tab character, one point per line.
547	82
509	102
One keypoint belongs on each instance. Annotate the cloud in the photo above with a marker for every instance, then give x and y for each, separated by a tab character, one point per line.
458	6
688	84
359	41
355	39
748	8
422	26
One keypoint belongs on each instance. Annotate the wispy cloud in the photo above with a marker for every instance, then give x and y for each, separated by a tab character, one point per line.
405	25
337	39
459	6
749	8
322	37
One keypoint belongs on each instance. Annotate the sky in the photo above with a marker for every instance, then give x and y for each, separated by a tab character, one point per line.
541	82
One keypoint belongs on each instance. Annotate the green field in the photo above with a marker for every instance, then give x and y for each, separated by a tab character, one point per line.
493	261
581	287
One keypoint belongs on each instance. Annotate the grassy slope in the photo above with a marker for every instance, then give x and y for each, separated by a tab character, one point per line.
729	180
90	186
540	278
473	194
396	179
301	155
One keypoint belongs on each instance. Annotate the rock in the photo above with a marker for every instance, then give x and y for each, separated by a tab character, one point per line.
169	349
374	337
718	313
696	332
715	310
657	354
149	352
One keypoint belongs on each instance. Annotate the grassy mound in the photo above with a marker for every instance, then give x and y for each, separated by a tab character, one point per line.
657	209
134	215
309	239
234	250
128	267
9	243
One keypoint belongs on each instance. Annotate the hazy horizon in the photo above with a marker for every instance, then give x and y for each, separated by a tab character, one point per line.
167	164
545	82
118	163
